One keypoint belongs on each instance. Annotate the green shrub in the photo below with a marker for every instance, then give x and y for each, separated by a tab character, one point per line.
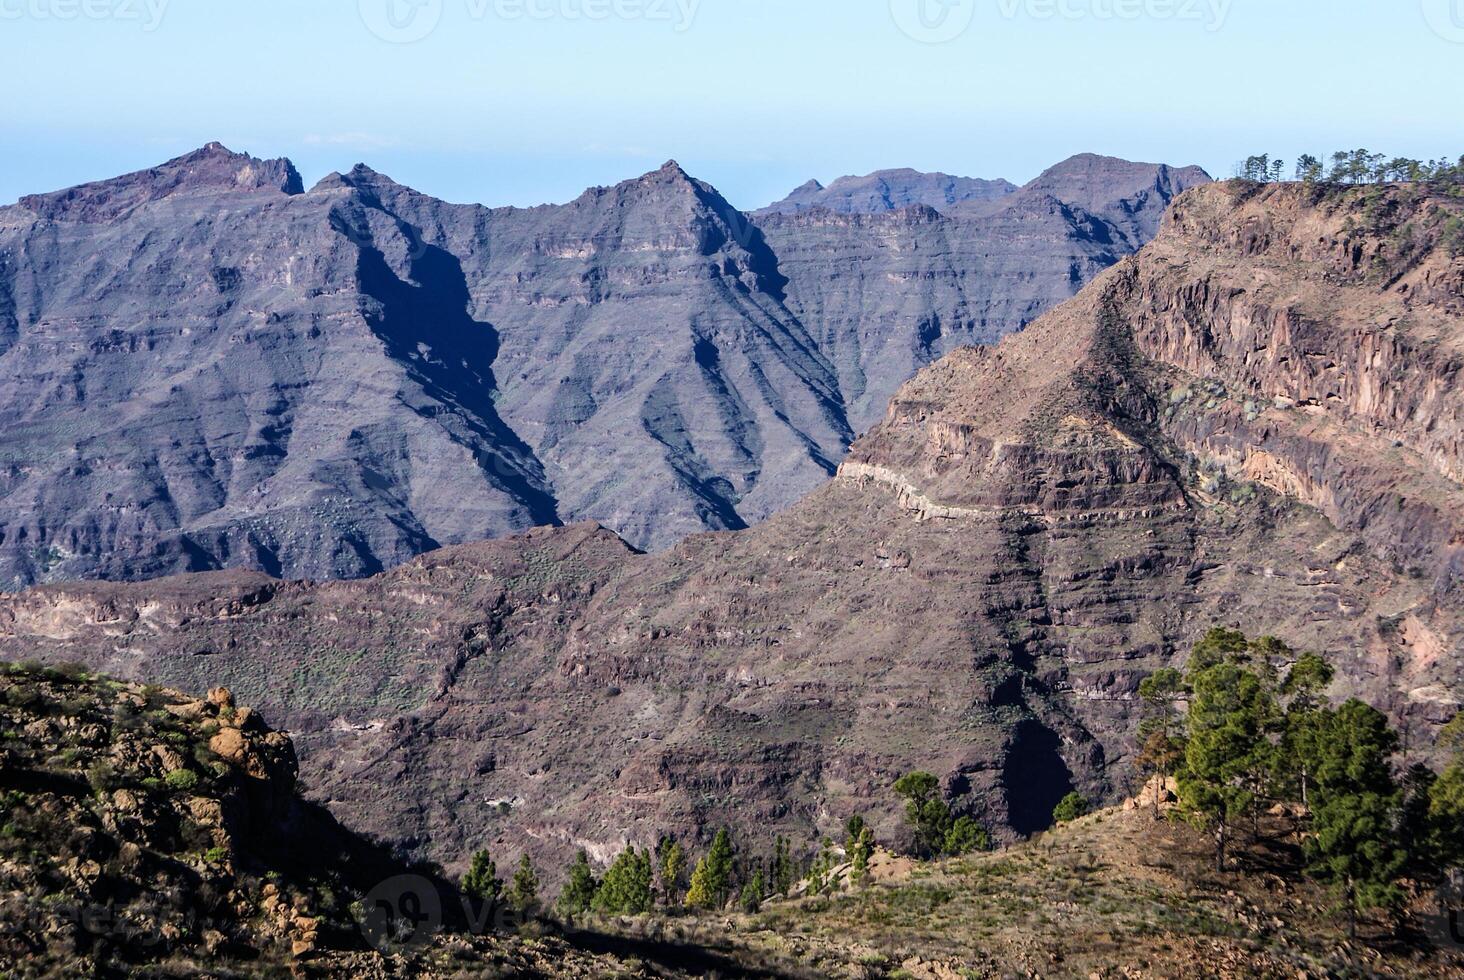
1073	806
102	777
181	780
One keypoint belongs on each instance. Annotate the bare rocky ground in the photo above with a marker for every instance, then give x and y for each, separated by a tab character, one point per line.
1253	423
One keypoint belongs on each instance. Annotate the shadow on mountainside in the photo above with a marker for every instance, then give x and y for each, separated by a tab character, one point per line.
456	367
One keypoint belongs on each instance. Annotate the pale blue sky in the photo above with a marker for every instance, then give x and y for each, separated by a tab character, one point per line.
755	96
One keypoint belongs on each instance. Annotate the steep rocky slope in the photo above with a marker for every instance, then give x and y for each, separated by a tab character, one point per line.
206	366
203	368
645	351
1130	196
1247	424
888	290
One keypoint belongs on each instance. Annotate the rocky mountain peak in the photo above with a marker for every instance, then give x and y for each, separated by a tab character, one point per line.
890	190
1131	196
364	178
211	169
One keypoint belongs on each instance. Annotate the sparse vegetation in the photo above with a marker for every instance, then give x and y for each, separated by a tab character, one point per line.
937	831
1071	807
1353	167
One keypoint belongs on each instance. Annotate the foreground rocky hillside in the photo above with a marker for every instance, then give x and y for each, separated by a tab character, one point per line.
146	832
1249	424
207	366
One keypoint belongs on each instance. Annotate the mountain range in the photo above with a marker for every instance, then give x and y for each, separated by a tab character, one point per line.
1253	422
207	366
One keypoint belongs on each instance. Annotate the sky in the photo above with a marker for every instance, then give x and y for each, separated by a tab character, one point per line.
530	101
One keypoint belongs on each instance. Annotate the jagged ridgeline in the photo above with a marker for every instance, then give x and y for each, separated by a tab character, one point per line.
1253	422
208	366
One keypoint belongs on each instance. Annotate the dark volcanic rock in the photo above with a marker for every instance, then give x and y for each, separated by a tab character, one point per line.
1031	529
205	367
889	190
889	293
646	352
213	168
229	374
1130	196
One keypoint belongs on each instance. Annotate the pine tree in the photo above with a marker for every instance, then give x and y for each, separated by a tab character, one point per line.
1415	822
672	868
1446	800
785	871
712	879
927	814
1354	845
482	881
1218	646
1309	169
579	891
1446	817
1228	749
1308	678
626	889
752	893
523	891
860	855
1163	745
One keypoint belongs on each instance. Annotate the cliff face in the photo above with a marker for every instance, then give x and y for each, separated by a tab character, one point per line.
205	366
889	293
1334	325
